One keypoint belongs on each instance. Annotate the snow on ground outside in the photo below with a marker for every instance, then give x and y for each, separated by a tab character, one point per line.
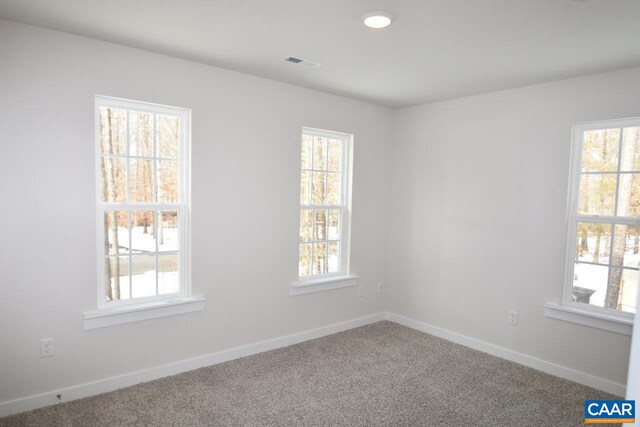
595	276
142	242
143	266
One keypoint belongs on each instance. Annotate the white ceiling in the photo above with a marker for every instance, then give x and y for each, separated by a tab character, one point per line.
436	49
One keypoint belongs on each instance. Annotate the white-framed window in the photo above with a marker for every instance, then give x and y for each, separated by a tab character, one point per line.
325	206
603	248
142	177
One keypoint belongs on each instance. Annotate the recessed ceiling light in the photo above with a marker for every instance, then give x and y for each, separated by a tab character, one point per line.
378	19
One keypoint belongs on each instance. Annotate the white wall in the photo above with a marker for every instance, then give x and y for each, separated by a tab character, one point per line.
246	134
478	225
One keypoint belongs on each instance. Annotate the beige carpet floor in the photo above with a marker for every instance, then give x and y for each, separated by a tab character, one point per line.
381	374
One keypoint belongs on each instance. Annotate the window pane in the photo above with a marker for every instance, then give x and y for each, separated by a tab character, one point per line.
597	194
630	149
143	275
304	262
319	258
116	273
168	237
318	190
168	136
143	231
334	260
629	291
305	194
335	155
307	148
113	178
168	277
116	232
320	153
600	150
168	178
320	229
140	134
590	284
334	225
333	189
113	131
629	195
306	225
593	242
140	180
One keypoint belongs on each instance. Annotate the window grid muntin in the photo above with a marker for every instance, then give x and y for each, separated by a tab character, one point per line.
180	206
612	220
313	241
602	264
131	253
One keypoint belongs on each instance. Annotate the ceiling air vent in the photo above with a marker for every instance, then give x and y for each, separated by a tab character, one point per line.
307	63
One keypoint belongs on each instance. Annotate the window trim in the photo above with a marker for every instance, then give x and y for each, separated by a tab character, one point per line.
342	278
581	316
136	312
322	284
574	311
183	206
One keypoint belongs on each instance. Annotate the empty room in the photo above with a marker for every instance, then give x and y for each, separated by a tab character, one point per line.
319	212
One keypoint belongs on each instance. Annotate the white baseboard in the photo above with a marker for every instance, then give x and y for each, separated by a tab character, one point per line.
126	380
504	353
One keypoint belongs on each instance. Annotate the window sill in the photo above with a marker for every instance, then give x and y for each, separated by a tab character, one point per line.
135	313
324	284
621	325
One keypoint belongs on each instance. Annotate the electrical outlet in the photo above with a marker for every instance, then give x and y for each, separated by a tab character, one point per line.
512	318
361	291
380	287
46	347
